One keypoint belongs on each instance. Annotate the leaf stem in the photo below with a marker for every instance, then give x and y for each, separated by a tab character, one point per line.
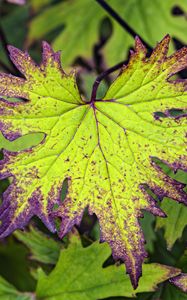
122	22
130	30
101	77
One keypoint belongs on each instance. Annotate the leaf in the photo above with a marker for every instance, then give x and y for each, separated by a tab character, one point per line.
180	175
43	248
167	292
9	292
85	279
183	261
148	230
78	42
38	4
13	25
180	281
14	265
175	222
104	148
151	19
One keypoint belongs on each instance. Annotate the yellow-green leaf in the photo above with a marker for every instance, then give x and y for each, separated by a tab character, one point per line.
104	148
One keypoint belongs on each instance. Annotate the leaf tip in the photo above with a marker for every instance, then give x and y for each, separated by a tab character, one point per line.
180	281
49	56
139	46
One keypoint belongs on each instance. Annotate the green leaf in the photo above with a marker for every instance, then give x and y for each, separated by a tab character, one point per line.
38	4
183	262
149	233
6	288
9	292
85	279
43	248
14	265
175	222
180	281
166	292
104	148
78	42
151	19
172	293
13	25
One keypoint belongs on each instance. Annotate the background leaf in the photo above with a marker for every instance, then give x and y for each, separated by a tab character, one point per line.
175	222
88	281
14	265
43	248
151	19
9	292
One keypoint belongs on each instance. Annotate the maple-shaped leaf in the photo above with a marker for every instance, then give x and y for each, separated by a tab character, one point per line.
151	19
105	148
65	14
180	281
70	281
